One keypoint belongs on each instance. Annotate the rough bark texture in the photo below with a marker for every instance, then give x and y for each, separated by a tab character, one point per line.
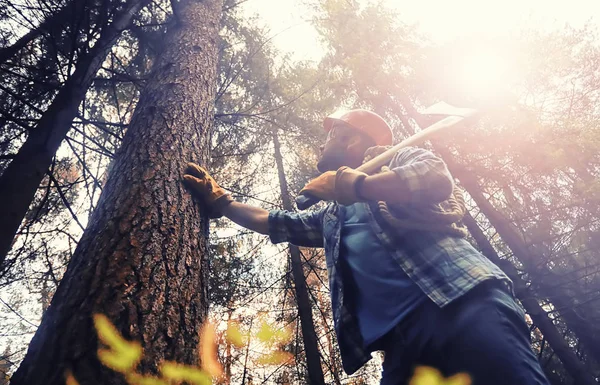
309	336
572	364
142	259
20	180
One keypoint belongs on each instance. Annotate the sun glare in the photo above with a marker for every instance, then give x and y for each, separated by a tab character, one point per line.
484	73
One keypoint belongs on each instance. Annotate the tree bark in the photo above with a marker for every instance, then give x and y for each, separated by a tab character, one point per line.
142	261
20	180
572	364
309	337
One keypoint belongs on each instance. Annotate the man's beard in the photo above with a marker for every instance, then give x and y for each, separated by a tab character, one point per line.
332	161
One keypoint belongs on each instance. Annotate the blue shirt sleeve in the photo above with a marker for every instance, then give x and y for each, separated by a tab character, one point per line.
424	174
301	229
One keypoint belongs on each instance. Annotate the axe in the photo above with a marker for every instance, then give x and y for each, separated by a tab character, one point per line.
453	116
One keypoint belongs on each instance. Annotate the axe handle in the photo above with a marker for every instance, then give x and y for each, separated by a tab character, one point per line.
305	201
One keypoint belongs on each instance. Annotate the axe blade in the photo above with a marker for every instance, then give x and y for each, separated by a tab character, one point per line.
443	108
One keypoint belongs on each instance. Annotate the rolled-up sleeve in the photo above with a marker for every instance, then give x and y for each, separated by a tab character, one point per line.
301	229
425	175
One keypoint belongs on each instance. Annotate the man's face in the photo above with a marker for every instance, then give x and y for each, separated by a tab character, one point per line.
343	147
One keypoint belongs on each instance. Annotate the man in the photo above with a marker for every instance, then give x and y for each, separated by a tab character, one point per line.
423	297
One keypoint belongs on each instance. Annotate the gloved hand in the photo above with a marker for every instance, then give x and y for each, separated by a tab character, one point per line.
373	152
340	185
205	187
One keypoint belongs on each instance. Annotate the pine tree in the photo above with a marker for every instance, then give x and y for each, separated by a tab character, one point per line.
142	259
20	180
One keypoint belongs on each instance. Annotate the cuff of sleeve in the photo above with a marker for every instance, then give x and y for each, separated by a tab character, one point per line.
346	181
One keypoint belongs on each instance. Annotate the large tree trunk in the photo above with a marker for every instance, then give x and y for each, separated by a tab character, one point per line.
572	364
142	260
20	180
309	336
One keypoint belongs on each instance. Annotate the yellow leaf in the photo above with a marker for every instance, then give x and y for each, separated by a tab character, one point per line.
208	350
122	361
70	379
117	361
177	372
459	379
274	336
138	379
110	359
425	375
275	358
235	335
108	334
121	355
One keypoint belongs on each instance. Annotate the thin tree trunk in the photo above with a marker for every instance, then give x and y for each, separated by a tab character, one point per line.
333	364
245	372
142	261
309	337
52	21
572	364
529	257
228	357
20	180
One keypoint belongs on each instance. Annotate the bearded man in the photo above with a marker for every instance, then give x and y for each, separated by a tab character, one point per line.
415	289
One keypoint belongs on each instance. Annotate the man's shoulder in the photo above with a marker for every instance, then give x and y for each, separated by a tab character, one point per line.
376	151
412	150
406	154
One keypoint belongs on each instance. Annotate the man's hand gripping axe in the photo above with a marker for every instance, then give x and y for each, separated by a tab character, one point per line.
454	116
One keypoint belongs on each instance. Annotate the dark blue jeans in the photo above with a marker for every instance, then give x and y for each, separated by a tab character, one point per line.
484	333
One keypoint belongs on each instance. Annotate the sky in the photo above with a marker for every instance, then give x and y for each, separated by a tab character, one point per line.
441	20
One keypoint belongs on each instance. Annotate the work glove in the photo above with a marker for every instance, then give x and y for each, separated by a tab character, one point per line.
207	189
340	185
374	151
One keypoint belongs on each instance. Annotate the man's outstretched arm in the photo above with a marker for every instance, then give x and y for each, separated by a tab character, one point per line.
301	229
250	217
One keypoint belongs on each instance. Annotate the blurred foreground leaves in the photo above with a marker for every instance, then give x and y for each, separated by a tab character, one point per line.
124	356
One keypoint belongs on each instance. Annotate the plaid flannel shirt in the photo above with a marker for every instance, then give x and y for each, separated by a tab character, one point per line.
444	267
